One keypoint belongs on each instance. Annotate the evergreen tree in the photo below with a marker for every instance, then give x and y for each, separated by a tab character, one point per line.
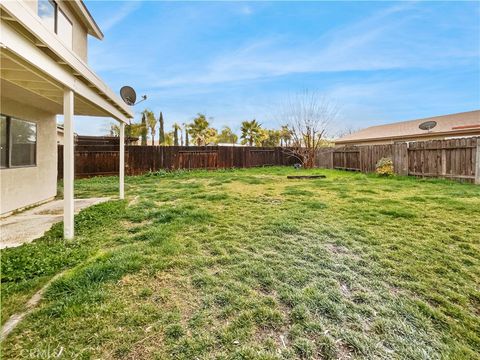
161	134
176	127
144	129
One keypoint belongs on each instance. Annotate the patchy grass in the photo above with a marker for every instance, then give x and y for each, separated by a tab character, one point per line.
245	264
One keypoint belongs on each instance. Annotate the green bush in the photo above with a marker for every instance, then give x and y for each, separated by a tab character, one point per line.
384	167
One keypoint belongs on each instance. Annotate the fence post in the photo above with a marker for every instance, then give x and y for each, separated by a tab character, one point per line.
477	163
400	158
444	162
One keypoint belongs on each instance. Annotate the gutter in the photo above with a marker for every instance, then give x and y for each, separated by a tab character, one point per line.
469	131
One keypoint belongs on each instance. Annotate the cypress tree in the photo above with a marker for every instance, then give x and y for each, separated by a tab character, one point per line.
175	135
144	129
161	135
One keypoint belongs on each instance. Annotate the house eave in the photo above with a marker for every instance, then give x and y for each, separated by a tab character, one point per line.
44	39
82	11
469	132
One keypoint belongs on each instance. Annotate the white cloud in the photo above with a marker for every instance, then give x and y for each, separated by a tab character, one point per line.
377	42
119	14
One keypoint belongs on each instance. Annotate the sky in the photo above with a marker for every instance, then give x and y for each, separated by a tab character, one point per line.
379	62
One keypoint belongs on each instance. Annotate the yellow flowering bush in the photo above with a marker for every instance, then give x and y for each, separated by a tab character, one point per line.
384	167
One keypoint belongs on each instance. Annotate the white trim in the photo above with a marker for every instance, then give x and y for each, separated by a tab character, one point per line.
68	165
84	14
122	161
14	42
23	15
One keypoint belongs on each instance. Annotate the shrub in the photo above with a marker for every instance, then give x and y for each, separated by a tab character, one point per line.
384	167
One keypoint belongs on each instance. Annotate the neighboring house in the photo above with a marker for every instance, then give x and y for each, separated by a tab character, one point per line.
86	140
463	124
60	134
44	72
230	144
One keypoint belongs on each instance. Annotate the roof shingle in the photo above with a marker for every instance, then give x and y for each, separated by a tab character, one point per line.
446	124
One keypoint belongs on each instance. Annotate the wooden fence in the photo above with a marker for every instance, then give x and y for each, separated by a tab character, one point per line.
456	158
97	160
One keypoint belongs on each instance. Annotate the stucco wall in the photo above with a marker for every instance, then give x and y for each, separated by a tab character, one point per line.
21	187
80	36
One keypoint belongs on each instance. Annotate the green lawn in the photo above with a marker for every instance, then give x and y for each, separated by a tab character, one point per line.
245	264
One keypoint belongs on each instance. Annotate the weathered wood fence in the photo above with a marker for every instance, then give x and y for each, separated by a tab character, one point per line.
97	160
455	158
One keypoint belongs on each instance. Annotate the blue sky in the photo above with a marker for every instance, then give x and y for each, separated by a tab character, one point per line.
379	62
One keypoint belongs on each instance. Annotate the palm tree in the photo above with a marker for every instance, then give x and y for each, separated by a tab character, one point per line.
285	136
198	129
251	132
151	122
168	139
211	136
185	127
131	130
176	127
227	136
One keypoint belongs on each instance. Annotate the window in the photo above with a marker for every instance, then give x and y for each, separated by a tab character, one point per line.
64	28
18	142
47	11
3	142
56	20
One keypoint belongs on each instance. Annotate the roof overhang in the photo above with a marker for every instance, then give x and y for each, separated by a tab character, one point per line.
81	10
26	41
473	131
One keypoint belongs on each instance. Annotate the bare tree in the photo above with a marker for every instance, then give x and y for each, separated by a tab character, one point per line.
348	130
307	116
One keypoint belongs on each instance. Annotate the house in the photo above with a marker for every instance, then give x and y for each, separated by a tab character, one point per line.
463	124
60	134
45	72
86	140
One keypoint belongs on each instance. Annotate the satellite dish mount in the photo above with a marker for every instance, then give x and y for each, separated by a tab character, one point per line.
129	96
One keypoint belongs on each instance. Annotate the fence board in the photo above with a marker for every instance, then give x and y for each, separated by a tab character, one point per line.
103	159
453	159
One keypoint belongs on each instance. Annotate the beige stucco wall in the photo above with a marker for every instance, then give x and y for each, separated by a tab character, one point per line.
21	187
80	35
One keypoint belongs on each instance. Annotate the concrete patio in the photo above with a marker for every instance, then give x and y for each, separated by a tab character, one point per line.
31	224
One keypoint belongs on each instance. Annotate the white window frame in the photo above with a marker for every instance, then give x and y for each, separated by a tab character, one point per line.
56	10
9	165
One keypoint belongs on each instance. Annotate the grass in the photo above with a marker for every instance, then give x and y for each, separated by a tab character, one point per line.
245	264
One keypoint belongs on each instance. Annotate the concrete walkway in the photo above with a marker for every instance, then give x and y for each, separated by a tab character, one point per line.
31	224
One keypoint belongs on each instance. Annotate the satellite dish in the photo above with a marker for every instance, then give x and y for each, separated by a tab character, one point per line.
427	125
130	96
